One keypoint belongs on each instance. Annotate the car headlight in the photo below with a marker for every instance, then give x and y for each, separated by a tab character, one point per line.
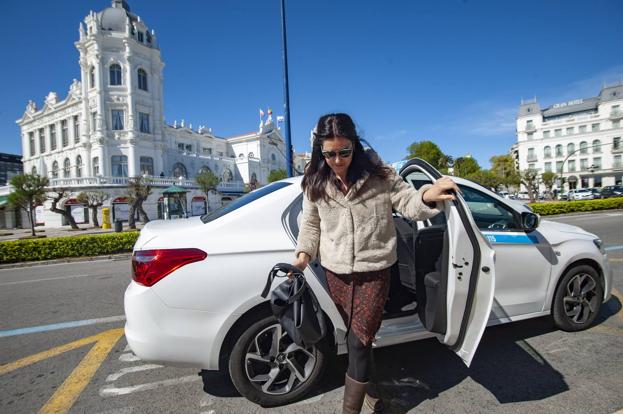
600	245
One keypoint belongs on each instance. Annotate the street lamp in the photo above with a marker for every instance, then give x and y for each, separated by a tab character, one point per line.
591	169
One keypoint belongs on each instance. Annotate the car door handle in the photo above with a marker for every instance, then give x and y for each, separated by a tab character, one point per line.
457	266
486	269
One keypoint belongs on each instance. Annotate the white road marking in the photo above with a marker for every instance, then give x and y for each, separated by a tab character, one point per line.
20	282
129	357
61	325
123	371
110	391
122	410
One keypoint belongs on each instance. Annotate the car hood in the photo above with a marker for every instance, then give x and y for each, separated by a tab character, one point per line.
162	228
560	232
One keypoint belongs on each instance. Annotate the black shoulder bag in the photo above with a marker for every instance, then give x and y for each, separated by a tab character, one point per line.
295	306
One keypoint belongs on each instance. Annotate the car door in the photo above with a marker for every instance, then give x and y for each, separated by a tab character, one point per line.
458	297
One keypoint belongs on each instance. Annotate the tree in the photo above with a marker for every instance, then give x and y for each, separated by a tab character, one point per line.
139	188
276	175
530	179
486	178
429	152
28	192
503	166
207	181
93	200
548	179
464	166
57	195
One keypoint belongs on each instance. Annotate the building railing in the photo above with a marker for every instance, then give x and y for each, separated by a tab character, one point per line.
232	186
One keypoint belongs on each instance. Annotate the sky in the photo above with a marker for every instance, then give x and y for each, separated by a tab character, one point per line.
453	72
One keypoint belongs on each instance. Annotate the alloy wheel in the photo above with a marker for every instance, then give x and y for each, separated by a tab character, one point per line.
581	299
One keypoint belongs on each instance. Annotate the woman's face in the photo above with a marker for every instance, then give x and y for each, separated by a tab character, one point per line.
335	152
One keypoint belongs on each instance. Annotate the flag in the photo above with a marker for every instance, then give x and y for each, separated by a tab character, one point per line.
270	111
280	118
261	113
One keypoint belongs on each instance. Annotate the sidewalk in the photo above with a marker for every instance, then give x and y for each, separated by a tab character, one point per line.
15	234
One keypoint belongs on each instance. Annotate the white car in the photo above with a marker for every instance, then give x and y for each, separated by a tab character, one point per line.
195	295
581	194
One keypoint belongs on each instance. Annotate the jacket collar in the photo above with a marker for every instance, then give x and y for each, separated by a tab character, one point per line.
334	193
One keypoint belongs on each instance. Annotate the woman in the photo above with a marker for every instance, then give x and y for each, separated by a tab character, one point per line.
347	222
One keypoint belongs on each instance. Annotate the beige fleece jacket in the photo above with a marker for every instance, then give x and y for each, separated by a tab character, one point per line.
355	232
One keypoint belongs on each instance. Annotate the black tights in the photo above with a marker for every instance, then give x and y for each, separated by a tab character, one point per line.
359	358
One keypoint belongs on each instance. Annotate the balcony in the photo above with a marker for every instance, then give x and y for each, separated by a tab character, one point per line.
530	128
616	114
617	149
532	158
229	187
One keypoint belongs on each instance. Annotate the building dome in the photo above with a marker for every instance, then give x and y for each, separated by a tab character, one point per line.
115	17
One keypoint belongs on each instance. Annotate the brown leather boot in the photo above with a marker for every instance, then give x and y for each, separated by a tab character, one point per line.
354	393
374	400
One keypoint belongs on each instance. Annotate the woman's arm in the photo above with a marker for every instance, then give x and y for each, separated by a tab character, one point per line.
408	201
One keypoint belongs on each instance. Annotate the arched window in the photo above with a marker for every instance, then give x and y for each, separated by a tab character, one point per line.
570	148
251	155
227	175
179	170
147	165
559	150
596	146
547	151
241	155
55	169
583	147
96	166
66	168
115	74
78	166
142	79
33	171
204	169
91	77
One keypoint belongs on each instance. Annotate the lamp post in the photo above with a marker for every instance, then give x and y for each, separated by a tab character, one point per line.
286	91
572	153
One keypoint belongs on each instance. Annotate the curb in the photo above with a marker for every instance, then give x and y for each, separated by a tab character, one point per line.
584	213
115	257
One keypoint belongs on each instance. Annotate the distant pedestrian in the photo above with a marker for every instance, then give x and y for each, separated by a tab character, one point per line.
347	221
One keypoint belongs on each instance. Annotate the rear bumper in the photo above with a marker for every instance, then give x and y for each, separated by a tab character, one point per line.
169	336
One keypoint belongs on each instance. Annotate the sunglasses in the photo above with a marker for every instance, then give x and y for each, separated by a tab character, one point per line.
343	153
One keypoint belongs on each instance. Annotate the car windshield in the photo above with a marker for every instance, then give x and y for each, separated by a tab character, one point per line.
243	201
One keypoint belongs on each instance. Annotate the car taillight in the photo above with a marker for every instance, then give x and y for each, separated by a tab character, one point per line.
150	266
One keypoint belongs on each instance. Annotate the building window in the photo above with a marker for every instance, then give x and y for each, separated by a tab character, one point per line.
595	127
41	140
207	151
204	170
91	77
597	163
33	170
558	166
179	170
119	165
220	153
93	121
545	134
547	152
596	146
31	142
55	169
115	74
548	167
251	155
584	164
559	150
558	132
571	165
188	148
64	133
117	119
616	144
570	131
140	36
96	166
597	182
76	129
617	162
143	122
273	157
531	166
616	124
227	175
583	147
66	168
147	165
142	79
582	129
570	148
530	136
78	166
180	147
52	137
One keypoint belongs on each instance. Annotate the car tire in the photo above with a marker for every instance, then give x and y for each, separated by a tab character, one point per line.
577	299
294	371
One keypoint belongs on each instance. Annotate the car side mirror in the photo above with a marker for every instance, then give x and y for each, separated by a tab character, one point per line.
529	221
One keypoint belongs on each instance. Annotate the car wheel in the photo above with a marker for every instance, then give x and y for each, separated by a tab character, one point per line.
269	369
577	299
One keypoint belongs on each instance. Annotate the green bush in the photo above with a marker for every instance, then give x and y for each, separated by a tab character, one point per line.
562	207
53	248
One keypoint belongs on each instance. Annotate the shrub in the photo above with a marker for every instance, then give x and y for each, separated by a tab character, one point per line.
53	248
547	209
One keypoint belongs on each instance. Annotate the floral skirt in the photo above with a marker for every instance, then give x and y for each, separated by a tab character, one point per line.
360	298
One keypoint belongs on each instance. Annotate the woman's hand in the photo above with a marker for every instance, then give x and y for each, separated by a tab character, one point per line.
443	189
301	262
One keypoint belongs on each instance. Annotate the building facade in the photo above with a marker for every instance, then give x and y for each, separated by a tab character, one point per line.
110	126
579	140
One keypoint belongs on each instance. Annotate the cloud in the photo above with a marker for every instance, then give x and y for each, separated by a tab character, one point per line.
390	136
485	118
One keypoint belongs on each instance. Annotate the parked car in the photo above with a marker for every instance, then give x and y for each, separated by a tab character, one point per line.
523	195
612	191
504	194
195	295
581	194
596	192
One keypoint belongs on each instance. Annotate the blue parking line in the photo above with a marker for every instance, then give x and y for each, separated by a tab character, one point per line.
62	325
613	248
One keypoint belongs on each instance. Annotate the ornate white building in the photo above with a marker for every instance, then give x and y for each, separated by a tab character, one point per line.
111	126
579	139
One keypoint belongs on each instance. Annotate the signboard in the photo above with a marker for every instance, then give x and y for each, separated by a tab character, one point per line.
198	206
569	103
121	211
39	215
77	212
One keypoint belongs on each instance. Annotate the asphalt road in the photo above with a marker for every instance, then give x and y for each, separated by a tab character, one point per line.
521	367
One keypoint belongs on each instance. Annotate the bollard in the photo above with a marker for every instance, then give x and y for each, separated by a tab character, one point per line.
118	226
106	218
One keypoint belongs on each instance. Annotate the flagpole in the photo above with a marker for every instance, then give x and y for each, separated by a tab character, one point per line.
286	91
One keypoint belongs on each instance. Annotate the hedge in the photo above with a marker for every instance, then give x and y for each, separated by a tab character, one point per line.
562	207
53	248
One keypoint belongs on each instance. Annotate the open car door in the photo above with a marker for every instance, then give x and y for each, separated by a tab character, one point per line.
455	273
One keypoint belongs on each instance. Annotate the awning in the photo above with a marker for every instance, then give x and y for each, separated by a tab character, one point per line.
174	189
4	200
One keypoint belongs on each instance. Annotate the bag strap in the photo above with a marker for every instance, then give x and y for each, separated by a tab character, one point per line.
285	268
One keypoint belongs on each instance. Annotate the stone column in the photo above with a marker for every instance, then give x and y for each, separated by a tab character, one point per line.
133	167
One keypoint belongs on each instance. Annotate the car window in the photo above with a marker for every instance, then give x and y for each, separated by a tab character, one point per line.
417	179
488	213
244	200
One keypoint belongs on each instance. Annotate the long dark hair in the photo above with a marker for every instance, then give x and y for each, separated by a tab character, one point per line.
318	172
